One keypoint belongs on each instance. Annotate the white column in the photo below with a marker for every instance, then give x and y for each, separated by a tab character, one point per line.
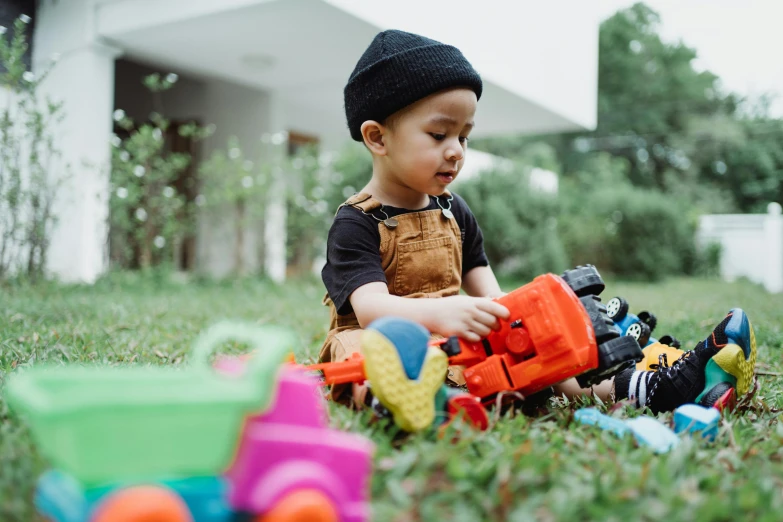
83	80
773	232
275	216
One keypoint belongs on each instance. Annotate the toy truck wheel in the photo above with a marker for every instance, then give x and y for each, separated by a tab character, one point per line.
715	395
617	308
143	504
306	505
603	327
584	280
648	319
613	355
668	340
639	331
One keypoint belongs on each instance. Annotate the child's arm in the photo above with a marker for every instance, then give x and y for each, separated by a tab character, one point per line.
470	318
481	282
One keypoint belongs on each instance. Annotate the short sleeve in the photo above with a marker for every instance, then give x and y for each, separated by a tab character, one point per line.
473	254
353	257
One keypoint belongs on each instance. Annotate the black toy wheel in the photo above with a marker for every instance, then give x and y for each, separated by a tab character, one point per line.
648	319
451	347
584	280
668	340
714	394
639	331
613	355
603	327
617	308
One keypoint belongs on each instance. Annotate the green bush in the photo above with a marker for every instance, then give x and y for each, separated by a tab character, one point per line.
597	217
318	183
352	170
708	260
520	225
629	232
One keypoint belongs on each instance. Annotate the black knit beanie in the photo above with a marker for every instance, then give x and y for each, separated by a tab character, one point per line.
398	69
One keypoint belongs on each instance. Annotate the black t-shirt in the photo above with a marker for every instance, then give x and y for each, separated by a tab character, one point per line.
353	252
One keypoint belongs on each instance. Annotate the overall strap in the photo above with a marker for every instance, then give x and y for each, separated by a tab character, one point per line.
364	202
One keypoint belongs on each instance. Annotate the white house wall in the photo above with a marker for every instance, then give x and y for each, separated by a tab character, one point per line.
83	81
544	52
14	254
539	68
751	244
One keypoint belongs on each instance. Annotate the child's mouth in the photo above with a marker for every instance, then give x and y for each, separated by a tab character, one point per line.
445	177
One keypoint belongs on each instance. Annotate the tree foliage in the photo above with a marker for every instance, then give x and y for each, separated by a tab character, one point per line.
678	130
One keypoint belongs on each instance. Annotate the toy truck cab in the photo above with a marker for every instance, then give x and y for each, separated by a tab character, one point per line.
288	455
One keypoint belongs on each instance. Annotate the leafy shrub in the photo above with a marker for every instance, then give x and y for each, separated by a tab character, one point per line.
597	217
149	214
519	224
628	231
32	168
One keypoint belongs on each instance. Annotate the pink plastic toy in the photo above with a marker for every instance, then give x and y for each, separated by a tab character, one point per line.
290	449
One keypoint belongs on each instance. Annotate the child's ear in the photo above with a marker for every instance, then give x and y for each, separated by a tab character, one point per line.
373	132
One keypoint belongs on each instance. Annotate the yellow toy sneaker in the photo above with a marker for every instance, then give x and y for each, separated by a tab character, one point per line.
404	372
735	361
711	374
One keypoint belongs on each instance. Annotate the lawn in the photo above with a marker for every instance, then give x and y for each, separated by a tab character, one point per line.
523	468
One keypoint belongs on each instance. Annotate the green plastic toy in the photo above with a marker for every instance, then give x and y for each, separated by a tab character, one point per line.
103	424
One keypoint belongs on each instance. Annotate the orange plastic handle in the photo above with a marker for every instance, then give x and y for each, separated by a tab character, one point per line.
351	370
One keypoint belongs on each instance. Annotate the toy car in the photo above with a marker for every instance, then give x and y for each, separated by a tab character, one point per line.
194	445
640	327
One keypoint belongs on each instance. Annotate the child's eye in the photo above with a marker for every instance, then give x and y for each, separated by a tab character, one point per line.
438	137
463	139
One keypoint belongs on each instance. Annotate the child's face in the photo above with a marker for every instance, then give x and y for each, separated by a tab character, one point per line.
425	143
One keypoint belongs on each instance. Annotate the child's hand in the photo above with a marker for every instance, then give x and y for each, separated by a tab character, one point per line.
470	318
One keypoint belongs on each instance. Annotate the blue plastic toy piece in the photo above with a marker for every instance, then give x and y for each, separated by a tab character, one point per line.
411	340
61	498
692	418
647	430
738	331
622	327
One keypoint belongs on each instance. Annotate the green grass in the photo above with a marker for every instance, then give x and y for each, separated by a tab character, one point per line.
545	468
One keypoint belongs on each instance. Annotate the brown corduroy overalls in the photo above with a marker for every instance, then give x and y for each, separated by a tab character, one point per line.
421	258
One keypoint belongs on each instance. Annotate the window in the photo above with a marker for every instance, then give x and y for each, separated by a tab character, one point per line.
297	141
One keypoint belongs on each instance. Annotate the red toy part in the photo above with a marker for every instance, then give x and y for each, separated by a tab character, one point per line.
547	339
727	401
471	408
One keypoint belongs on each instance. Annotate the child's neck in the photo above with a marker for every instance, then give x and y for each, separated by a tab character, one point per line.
394	194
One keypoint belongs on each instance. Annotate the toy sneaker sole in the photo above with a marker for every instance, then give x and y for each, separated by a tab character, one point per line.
411	402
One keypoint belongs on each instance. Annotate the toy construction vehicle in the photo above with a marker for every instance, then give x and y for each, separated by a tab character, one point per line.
557	329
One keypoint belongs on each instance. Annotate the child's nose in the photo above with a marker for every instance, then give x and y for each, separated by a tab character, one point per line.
454	151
